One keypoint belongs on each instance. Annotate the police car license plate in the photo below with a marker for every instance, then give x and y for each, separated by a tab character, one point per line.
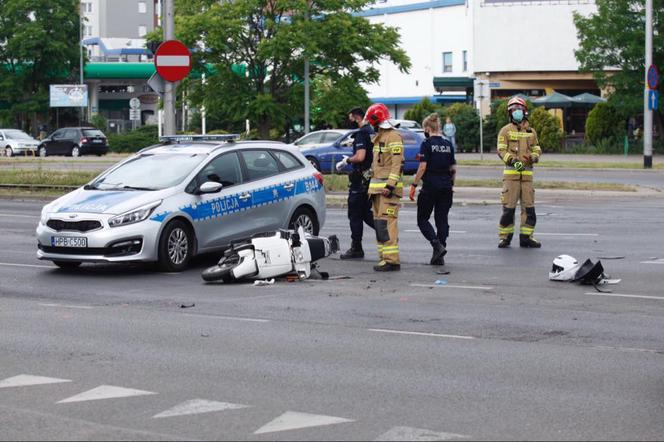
69	241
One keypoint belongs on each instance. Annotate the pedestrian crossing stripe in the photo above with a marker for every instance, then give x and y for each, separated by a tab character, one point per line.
26	380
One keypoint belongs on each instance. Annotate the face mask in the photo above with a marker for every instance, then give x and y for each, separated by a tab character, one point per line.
354	125
517	115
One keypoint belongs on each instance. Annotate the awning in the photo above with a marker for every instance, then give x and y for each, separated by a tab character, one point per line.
588	99
118	46
452	83
554	101
418	99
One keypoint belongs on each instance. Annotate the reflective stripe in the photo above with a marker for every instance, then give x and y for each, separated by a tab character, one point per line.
502	146
383	185
390	250
516	135
394	176
516	172
527	172
506	229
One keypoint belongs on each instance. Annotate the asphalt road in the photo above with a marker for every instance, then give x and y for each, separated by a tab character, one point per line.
495	351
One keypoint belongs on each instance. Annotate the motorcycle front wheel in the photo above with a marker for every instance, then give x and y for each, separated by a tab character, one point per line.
222	271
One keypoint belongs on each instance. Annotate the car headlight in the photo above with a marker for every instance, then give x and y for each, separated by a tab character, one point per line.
135	216
43	219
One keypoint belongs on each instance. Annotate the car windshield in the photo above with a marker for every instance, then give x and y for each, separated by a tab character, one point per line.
149	172
92	133
17	135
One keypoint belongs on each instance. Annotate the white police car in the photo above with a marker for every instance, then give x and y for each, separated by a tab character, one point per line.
185	196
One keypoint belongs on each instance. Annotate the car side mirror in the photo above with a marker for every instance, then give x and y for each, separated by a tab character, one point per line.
210	187
346	143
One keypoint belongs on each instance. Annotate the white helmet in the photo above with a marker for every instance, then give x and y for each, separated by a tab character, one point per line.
564	268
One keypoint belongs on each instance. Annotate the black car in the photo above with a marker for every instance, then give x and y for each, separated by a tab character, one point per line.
74	141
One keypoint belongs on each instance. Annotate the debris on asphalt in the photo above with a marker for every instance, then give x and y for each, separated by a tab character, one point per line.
442	272
338	277
441	282
187	305
610	257
263	282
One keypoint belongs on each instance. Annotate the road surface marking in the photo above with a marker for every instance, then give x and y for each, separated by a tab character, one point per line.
417	434
469	287
232	318
622	295
198	406
16	215
653	262
437	335
567	234
25	380
292	420
36	266
82	307
105	392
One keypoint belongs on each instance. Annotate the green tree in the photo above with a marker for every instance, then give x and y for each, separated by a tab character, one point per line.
259	48
549	133
38	47
420	110
604	123
467	122
612	46
331	100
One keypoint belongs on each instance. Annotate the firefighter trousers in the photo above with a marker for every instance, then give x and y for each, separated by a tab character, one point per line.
386	212
515	191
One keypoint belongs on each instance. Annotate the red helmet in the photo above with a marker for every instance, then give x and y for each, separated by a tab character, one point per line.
517	101
376	114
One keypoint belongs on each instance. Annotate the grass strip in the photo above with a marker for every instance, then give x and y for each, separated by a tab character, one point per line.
556	164
46	177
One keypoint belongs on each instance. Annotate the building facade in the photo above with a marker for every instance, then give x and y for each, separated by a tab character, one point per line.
509	46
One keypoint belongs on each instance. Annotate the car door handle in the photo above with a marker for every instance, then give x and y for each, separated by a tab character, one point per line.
289	186
245	196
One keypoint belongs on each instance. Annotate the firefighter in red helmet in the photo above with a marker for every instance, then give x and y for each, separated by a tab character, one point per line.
519	149
386	186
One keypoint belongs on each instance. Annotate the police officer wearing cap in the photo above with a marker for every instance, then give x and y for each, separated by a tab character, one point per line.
359	204
437	170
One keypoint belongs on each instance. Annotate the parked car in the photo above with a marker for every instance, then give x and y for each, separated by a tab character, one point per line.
16	142
408	124
74	141
185	196
324	148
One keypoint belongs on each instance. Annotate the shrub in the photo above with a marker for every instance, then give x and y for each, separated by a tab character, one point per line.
548	129
135	140
465	118
419	111
603	123
99	121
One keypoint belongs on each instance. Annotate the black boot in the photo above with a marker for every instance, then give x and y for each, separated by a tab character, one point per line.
529	241
386	267
439	262
505	242
438	251
355	251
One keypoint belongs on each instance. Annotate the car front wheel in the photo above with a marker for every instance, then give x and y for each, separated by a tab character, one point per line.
42	151
305	218
9	152
175	246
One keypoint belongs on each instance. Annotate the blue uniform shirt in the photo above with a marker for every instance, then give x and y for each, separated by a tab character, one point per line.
362	140
438	153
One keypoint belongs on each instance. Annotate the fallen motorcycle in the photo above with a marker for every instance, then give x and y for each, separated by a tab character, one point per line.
272	254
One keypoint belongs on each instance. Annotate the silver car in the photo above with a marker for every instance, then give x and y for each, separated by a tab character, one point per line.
16	142
185	196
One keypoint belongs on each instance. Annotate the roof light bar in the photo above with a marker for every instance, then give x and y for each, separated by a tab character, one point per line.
189	138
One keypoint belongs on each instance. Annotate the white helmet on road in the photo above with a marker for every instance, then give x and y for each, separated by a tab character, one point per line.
564	268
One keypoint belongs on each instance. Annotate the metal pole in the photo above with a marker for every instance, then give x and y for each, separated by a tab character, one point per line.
306	86
647	114
203	115
168	23
481	137
80	53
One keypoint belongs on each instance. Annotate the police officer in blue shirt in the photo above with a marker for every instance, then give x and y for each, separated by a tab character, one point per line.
437	170
359	205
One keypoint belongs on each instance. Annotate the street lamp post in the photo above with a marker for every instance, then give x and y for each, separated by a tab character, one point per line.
647	113
168	22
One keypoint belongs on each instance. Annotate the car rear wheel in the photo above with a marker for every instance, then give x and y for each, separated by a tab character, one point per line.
175	246
9	152
42	151
305	218
314	162
75	151
67	265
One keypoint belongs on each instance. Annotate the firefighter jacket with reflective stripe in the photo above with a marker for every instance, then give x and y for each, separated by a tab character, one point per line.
387	165
518	144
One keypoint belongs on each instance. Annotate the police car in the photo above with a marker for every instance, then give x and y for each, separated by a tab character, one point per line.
185	196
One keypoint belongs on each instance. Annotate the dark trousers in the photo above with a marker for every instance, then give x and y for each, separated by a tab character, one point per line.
359	212
438	201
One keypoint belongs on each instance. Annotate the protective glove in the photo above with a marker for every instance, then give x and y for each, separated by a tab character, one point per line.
341	164
411	193
518	165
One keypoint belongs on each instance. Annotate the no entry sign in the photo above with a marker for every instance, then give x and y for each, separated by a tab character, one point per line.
173	60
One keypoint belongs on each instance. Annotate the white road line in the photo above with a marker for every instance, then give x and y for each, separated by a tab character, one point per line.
652	262
232	318
469	287
25	380
105	392
436	335
35	266
417	434
451	231
622	295
198	406
292	420
16	215
566	234
82	307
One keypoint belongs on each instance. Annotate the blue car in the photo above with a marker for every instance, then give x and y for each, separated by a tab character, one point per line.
324	148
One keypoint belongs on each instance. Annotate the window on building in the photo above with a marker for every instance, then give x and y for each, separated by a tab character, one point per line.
87	30
447	62
86	7
142	8
465	61
142	30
